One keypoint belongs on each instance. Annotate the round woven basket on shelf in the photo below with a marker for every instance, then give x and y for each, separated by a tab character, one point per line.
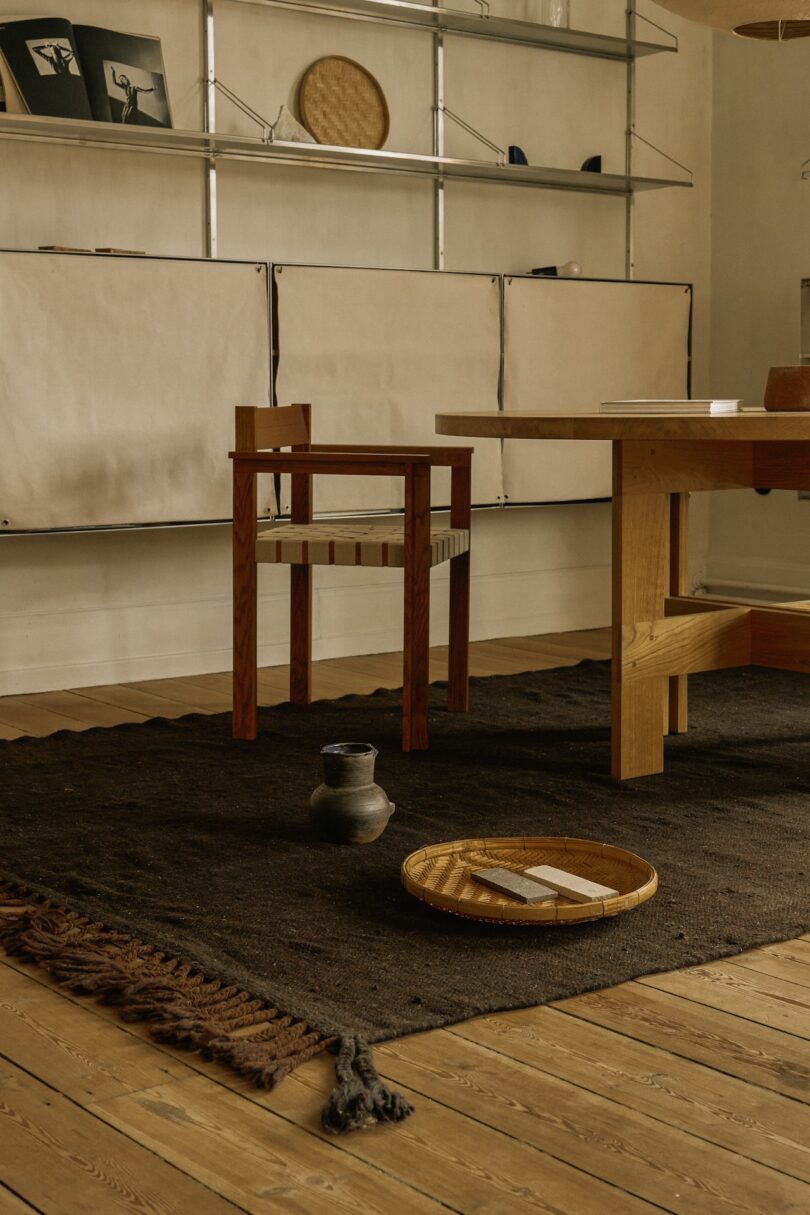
441	875
341	103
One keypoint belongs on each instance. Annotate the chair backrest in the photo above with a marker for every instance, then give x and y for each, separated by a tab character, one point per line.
286	426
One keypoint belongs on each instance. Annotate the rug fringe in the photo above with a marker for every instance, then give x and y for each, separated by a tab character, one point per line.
185	1009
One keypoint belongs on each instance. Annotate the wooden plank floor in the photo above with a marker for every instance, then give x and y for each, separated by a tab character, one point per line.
687	1092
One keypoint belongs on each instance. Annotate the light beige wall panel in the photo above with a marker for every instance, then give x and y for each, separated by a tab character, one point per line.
761	247
559	108
759	545
262	54
89	198
119	379
761	251
673	228
569	345
518	229
335	218
379	353
284	214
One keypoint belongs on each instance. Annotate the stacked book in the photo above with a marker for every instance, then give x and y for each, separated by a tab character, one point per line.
686	408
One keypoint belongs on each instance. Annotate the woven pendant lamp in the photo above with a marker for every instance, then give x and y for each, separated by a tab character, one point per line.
774	20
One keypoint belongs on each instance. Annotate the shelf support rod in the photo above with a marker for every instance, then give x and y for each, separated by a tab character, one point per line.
209	126
630	200
439	201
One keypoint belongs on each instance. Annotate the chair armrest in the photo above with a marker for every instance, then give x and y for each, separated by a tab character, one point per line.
441	457
349	462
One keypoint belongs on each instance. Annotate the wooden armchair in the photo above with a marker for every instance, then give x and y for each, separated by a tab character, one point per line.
411	544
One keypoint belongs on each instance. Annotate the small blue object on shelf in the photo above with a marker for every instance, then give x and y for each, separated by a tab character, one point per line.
516	155
592	165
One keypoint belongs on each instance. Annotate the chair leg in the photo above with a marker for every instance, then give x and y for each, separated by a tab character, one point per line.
301	634
244	608
458	661
416	662
417	610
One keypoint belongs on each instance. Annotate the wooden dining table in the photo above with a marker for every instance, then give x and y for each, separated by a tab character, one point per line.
661	634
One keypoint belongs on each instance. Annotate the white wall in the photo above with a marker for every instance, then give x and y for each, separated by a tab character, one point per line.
82	609
761	251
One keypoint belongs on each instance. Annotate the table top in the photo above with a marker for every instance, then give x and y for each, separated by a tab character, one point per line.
749	426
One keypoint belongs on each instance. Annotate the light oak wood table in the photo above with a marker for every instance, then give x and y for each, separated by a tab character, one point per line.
660	634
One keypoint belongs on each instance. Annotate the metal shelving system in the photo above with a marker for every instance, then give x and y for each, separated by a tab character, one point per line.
213	146
440	19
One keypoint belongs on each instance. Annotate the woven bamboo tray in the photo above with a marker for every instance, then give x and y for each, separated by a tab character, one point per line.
440	875
341	103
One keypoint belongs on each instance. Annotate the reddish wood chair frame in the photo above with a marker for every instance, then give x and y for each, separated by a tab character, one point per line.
290	426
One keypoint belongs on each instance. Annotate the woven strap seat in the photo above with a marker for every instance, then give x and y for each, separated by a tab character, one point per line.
324	543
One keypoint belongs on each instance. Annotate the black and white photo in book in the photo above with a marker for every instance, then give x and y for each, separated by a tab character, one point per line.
125	76
41	70
54	57
125	85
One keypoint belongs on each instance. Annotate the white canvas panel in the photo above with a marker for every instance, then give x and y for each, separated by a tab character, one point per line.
570	344
118	381
379	353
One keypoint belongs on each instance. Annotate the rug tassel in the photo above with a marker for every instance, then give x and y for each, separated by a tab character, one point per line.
360	1099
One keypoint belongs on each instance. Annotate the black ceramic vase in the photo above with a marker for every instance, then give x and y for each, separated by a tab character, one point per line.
349	808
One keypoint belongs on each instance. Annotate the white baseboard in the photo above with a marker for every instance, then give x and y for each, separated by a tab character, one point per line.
774	581
514	605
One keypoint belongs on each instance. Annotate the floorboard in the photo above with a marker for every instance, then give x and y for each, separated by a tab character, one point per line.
685	1092
11	1204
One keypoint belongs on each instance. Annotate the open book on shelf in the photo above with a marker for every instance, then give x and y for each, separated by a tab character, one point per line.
674	407
51	67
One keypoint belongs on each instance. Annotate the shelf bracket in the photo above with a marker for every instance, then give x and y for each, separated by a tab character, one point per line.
267	128
465	126
660	28
671	159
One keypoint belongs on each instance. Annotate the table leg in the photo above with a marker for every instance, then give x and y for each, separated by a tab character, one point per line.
678	585
641	524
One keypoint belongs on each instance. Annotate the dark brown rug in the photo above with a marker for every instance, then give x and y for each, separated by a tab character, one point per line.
195	854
